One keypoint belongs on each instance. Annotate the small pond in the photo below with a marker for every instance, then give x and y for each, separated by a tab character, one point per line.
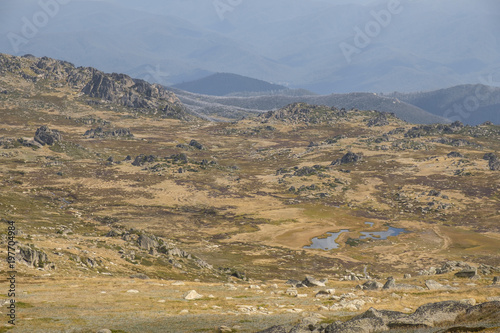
330	242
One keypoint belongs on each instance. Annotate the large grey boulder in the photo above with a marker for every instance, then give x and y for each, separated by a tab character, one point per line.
147	242
440	312
45	136
372	285
390	283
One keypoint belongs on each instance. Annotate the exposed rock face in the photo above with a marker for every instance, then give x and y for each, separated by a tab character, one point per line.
101	133
147	242
114	88
46	136
350	157
138	94
31	257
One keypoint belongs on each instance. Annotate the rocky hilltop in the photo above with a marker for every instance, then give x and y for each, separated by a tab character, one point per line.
97	86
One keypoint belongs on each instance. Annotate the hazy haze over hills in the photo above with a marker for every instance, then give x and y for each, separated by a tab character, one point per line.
423	45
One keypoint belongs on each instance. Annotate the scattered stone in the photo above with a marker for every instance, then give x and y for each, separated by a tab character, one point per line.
192	295
407	276
133	291
496	280
309	281
390	284
104	330
46	136
139	276
224	329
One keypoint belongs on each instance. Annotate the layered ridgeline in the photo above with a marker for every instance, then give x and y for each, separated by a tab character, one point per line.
236	107
96	87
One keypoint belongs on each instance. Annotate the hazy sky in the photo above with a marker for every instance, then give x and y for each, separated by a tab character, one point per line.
323	45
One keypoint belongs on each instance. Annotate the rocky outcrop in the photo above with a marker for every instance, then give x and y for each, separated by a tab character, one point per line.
148	98
143	159
350	157
118	89
31	257
99	132
45	136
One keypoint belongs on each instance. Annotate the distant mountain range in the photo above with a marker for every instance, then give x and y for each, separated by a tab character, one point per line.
221	84
470	104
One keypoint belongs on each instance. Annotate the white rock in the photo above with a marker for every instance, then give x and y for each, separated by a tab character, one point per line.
192	294
133	291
